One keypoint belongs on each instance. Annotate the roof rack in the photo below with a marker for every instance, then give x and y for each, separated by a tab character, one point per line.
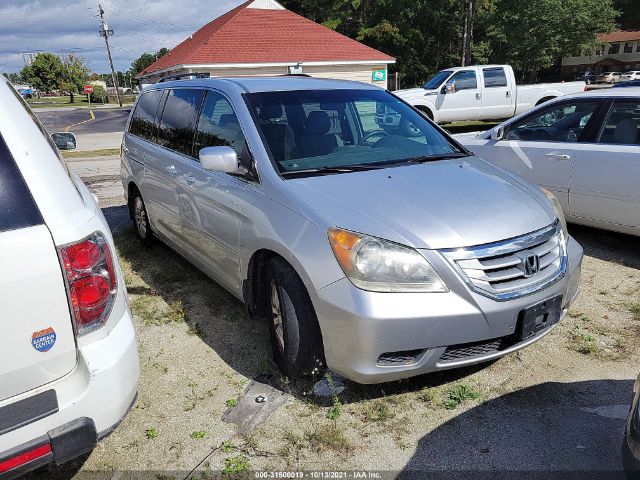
184	76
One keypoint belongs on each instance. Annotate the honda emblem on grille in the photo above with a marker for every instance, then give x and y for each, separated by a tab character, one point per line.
530	265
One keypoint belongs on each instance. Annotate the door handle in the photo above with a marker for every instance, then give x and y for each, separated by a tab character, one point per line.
508	94
171	169
561	156
478	96
125	150
190	179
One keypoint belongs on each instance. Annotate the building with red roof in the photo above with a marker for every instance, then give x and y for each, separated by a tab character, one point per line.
261	37
620	52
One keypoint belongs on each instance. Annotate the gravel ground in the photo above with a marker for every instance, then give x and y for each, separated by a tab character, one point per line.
555	408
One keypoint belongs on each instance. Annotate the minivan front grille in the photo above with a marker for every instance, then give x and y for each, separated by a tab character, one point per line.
515	267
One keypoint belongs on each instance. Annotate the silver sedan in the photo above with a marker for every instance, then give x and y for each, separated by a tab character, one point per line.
584	148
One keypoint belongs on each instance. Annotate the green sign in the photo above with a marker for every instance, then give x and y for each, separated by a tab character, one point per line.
379	75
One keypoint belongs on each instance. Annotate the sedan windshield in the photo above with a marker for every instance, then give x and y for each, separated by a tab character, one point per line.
335	131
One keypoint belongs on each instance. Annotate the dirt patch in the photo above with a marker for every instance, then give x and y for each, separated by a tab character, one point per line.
199	351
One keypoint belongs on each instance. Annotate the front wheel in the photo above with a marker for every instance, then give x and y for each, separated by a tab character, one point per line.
296	339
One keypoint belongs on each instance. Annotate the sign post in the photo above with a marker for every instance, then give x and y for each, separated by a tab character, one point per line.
88	89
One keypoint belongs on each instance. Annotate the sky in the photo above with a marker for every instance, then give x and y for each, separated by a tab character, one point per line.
64	26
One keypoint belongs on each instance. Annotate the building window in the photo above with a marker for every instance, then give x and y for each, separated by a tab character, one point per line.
614	48
628	47
638	47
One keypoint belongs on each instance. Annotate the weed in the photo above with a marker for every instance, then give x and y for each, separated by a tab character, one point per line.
176	312
329	437
198	435
377	411
228	447
458	395
151	433
232	402
237	464
335	410
584	343
634	309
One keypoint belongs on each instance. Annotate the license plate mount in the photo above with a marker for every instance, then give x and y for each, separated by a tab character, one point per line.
538	317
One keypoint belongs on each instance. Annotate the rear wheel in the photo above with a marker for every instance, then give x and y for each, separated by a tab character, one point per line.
296	340
141	220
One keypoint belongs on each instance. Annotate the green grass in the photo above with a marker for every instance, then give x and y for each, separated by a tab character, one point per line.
237	464
105	152
458	395
634	308
151	433
584	343
79	101
232	402
198	434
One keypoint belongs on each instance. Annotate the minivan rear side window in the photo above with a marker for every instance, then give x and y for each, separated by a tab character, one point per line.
17	207
178	118
144	116
494	77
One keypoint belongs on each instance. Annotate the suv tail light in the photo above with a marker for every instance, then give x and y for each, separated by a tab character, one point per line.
91	281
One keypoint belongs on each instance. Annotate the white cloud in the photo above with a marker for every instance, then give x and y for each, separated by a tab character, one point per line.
72	25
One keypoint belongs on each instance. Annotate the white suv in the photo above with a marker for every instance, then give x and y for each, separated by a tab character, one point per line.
68	357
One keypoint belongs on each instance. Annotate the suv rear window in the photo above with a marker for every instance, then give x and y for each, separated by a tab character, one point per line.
17	208
144	116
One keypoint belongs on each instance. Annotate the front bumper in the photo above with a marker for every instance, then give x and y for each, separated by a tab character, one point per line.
358	327
91	400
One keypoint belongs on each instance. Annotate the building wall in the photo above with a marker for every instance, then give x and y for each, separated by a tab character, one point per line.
359	73
606	59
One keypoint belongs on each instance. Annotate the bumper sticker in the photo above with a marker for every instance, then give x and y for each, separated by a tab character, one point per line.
44	339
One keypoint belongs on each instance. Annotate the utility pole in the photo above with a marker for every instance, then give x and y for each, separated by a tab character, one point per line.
467	33
106	32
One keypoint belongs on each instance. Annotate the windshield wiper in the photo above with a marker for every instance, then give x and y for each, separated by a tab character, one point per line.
328	169
434	158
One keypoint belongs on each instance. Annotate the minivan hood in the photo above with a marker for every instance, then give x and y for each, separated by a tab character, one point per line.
441	204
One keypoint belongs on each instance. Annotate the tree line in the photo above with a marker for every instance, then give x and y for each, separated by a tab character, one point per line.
428	35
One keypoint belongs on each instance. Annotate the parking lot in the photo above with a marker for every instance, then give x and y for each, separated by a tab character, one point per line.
558	405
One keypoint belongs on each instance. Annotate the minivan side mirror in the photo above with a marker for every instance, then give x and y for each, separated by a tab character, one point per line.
64	140
498	133
219	159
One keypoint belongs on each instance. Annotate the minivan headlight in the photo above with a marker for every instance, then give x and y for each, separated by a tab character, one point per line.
379	265
557	208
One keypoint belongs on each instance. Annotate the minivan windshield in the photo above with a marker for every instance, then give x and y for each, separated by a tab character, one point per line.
335	131
437	80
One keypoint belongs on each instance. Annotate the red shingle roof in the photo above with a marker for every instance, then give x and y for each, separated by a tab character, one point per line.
258	35
620	36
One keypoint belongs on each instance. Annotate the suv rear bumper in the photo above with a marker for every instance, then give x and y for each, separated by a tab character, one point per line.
92	400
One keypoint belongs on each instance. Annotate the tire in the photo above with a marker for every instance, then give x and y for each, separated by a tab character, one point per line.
140	219
296	340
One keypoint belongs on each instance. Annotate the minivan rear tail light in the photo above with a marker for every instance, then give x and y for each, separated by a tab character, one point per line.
91	281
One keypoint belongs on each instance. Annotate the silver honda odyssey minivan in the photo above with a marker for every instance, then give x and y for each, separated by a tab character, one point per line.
380	251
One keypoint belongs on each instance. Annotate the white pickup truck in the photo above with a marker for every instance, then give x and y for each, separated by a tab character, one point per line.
482	92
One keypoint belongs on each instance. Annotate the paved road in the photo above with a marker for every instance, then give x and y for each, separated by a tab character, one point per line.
104	121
